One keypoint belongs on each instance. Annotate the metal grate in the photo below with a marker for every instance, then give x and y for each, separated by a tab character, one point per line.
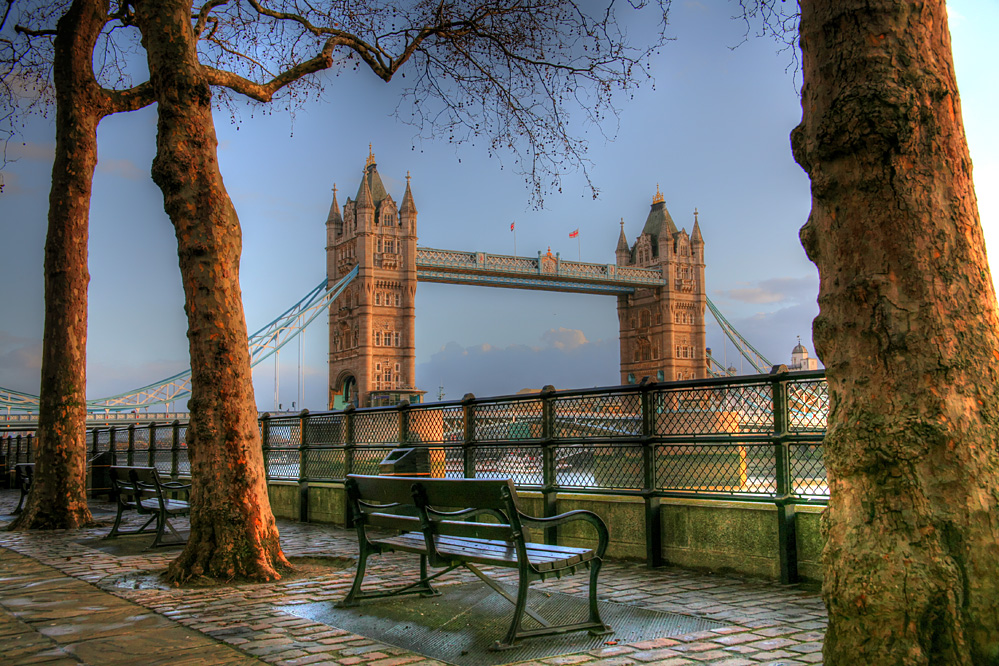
284	433
325	463
460	626
366	459
520	463
738	469
517	419
808	471
376	428
436	425
714	410
103	440
614	415
326	429
807	406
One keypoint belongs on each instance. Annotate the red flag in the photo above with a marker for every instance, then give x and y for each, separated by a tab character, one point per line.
574	233
511	225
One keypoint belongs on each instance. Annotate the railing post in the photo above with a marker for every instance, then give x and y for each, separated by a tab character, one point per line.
175	451
130	456
17	448
151	458
348	457
468	436
112	449
265	443
404	414
549	492
653	504
787	546
93	445
303	467
30	445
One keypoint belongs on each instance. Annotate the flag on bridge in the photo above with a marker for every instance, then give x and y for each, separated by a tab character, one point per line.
574	233
511	225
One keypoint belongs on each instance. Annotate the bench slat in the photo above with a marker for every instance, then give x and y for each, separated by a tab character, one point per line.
489	552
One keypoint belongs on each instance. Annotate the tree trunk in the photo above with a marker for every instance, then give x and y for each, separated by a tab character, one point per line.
907	330
58	498
233	533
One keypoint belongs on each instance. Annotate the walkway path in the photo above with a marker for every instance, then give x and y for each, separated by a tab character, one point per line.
63	602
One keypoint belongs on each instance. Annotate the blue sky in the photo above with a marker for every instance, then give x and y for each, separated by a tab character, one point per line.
712	133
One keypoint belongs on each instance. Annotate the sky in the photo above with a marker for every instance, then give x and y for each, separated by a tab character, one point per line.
711	133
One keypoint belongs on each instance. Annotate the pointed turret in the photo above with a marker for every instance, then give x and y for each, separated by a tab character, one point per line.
695	236
623	252
333	219
408	206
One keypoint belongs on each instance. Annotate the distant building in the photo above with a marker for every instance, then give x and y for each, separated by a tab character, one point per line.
800	359
662	328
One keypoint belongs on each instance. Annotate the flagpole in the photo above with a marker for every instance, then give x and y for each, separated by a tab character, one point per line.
513	228
579	250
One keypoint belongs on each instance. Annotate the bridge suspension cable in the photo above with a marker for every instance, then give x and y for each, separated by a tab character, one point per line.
748	351
263	344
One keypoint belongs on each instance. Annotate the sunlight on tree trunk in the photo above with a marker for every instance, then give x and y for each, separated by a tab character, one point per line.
233	534
908	333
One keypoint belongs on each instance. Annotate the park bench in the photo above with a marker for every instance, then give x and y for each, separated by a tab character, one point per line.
437	519
140	489
24	474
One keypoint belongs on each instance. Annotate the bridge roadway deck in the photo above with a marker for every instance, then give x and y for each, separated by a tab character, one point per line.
60	604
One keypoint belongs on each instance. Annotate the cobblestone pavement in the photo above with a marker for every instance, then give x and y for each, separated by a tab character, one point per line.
63	602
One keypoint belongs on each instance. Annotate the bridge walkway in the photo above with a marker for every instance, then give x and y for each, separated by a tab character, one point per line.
49	578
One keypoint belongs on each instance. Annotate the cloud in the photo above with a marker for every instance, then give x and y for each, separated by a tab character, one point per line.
775	290
566	359
122	168
564	338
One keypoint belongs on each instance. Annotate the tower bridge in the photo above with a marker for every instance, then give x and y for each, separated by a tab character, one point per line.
658	282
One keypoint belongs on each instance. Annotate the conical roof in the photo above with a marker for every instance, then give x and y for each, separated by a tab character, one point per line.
659	220
334	216
622	240
408	205
696	237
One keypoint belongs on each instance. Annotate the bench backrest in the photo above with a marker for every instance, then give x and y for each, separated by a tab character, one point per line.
421	504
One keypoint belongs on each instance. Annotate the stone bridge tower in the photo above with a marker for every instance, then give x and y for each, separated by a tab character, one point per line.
371	325
662	329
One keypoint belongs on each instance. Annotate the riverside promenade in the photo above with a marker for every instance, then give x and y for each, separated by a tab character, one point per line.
71	598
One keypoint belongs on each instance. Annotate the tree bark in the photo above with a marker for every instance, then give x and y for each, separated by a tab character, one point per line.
233	533
58	498
907	331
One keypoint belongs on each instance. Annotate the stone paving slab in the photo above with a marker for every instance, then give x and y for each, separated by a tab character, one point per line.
765	623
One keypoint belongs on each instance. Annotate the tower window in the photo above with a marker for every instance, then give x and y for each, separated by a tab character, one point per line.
378	338
398	341
397	300
378	298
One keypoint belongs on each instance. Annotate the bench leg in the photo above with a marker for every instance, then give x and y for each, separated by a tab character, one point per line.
355	589
20	502
426	589
594	609
162	524
518	614
117	531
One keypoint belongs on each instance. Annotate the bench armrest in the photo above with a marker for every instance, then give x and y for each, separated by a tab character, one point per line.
603	536
471	513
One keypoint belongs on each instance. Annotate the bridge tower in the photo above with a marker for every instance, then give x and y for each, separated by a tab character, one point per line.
371	325
662	328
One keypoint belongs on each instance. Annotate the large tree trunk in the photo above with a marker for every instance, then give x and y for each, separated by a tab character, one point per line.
233	533
908	333
58	498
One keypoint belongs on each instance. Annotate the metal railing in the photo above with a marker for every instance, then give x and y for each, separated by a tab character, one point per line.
752	438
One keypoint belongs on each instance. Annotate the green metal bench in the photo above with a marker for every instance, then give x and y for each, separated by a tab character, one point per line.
436	519
140	489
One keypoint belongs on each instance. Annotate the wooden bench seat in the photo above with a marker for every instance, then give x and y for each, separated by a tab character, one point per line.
140	489
438	519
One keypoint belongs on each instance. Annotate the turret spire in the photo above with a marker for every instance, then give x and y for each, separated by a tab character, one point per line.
695	236
622	240
408	206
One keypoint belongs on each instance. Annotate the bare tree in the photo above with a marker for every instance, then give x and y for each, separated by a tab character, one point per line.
64	55
907	331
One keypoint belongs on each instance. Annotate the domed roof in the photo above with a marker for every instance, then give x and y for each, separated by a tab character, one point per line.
799	349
